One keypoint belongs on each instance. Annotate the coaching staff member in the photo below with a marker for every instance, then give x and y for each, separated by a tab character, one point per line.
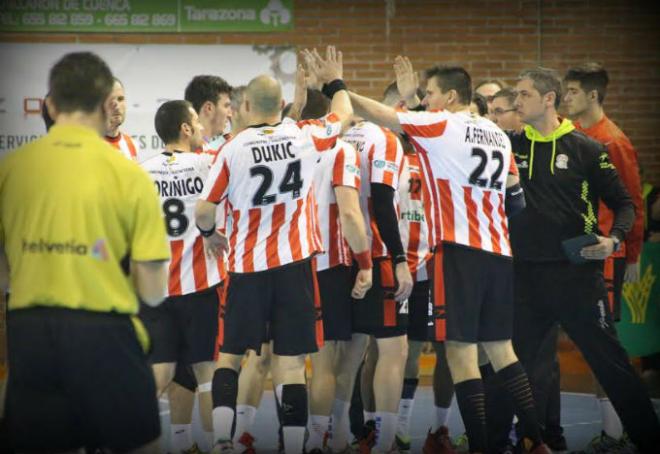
564	175
71	209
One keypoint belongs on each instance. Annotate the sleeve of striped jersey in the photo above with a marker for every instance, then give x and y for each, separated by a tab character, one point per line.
147	237
513	168
323	132
423	124
346	169
387	159
217	183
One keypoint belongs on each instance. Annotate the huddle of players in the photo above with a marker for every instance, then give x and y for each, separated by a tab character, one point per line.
379	214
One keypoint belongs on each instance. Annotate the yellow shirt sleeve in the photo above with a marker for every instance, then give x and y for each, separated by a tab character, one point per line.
148	240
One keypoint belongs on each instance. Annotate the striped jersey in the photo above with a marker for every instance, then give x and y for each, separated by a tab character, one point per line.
466	160
124	143
337	167
413	226
179	180
381	160
265	173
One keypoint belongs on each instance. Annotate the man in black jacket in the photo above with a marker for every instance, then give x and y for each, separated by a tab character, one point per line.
564	174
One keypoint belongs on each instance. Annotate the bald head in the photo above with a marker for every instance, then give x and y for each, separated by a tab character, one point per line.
264	94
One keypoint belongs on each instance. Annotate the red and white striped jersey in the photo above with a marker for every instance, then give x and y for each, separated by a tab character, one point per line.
337	167
413	226
466	160
265	173
381	161
179	179
124	143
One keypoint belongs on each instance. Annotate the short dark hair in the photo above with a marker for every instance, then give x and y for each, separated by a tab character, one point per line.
169	118
48	120
79	81
452	78
508	93
545	80
591	76
481	103
317	105
206	88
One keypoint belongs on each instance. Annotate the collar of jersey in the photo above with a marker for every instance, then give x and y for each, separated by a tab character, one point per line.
78	129
264	125
565	126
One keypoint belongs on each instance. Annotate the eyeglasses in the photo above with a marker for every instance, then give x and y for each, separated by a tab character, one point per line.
498	112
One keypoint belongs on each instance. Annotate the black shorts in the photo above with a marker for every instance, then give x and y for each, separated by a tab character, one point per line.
421	309
281	304
335	287
378	313
614	273
78	378
478	294
184	328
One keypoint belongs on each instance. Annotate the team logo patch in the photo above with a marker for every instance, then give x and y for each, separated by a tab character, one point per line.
352	169
267	131
523	165
328	130
379	164
99	251
561	162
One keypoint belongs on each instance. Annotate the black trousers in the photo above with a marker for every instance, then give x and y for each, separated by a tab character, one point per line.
574	296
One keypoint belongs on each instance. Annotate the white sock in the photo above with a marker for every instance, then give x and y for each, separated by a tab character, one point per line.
385	430
611	423
294	437
369	416
441	418
180	437
318	426
403	418
223	419
245	415
338	427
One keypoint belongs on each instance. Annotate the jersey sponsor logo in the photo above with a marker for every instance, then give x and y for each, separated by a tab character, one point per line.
97	250
413	216
350	168
561	162
275	152
392	166
379	164
523	165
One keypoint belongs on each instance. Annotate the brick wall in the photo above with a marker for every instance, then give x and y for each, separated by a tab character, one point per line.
491	38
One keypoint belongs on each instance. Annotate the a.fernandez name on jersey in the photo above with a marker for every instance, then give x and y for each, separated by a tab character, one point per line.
484	137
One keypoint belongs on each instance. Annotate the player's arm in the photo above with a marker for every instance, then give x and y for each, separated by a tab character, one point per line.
355	232
150	280
214	193
329	71
299	95
514	201
607	184
375	112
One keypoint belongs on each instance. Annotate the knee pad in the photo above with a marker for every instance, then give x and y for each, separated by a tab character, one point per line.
294	405
225	388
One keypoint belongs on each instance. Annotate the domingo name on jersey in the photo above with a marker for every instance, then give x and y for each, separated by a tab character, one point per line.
179	180
466	160
337	167
381	160
265	173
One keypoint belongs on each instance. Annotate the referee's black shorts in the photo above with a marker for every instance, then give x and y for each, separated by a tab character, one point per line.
78	379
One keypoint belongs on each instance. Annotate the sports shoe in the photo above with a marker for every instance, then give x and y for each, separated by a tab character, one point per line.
245	444
368	439
402	443
223	447
438	442
194	449
461	445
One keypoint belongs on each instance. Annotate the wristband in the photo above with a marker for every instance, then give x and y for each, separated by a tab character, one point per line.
333	87
400	259
363	259
206	233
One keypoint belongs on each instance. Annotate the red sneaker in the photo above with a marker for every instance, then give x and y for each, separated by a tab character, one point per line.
438	442
245	444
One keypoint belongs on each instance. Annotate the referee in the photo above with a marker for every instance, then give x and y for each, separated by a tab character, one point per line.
71	211
564	175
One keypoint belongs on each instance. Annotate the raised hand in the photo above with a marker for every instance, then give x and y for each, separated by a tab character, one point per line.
325	69
407	79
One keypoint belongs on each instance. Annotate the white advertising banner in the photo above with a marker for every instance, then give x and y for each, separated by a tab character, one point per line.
151	74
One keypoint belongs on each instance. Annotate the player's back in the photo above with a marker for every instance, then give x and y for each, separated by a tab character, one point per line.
266	173
467	160
179	180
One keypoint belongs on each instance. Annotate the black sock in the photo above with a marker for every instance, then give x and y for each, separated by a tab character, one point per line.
294	405
471	402
224	390
514	380
409	388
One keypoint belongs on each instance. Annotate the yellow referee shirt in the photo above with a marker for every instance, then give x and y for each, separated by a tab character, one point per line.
71	208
